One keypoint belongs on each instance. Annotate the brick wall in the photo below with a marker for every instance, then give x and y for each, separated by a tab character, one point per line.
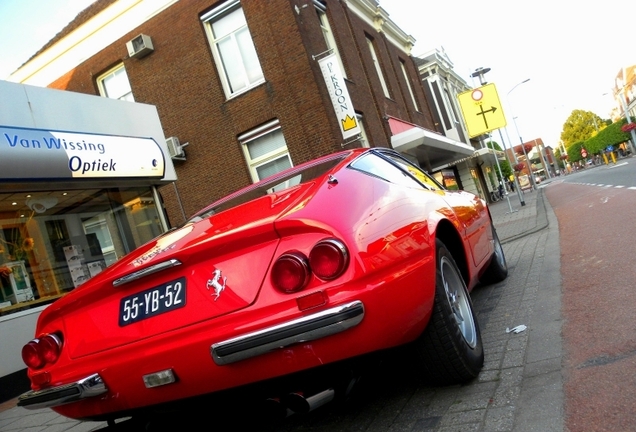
181	80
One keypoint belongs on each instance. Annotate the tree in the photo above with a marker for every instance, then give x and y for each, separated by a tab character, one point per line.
580	126
610	136
505	166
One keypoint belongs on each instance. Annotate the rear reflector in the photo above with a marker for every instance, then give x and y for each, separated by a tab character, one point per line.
311	301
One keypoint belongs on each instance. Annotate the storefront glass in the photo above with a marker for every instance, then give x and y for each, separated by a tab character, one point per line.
52	242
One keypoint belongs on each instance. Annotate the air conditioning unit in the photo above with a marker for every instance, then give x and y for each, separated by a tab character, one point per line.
175	148
140	46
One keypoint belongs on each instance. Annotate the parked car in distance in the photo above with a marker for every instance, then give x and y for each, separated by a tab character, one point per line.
353	253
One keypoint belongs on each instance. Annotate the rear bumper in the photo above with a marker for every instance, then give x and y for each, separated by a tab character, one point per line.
88	387
311	327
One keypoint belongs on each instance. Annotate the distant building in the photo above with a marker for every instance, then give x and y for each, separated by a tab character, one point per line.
540	159
478	172
625	93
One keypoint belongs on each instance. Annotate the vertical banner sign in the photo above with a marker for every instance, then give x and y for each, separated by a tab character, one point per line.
339	94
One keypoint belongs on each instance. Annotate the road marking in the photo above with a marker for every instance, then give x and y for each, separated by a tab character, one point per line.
607	186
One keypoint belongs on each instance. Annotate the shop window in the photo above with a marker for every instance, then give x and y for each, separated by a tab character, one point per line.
233	49
265	151
114	84
330	40
408	85
378	67
53	242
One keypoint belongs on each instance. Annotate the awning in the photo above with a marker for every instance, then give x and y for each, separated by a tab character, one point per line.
430	148
489	156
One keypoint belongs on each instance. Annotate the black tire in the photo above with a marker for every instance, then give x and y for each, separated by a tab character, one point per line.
498	268
450	349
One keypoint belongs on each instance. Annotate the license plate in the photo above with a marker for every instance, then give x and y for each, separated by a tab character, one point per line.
151	302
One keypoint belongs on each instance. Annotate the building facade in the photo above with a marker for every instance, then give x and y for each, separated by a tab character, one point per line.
239	86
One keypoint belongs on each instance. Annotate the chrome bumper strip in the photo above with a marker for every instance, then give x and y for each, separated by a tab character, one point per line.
311	327
50	397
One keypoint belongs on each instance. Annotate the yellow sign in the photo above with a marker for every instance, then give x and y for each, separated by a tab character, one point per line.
482	110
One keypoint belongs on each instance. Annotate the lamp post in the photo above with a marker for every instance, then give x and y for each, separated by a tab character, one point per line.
517	129
521	200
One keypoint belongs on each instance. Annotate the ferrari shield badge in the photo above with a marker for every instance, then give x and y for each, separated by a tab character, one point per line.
217	282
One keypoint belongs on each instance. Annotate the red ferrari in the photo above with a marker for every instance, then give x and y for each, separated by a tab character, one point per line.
351	254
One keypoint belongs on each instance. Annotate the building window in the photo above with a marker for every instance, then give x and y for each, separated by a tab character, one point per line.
52	242
451	105
408	85
327	33
233	49
265	151
378	67
114	84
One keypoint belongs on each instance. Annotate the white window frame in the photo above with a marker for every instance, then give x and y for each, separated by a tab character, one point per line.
363	133
102	84
247	51
327	33
408	85
257	162
378	67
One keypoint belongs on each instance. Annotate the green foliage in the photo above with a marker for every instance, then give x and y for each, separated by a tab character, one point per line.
505	166
610	136
580	126
574	151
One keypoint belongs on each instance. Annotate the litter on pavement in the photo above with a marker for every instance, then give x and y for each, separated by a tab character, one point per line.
517	329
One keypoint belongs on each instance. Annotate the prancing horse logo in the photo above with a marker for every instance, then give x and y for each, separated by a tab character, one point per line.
217	283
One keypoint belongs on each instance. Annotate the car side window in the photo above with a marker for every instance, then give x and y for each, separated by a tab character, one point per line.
428	181
379	167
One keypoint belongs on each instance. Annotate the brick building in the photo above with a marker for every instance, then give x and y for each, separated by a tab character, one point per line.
240	83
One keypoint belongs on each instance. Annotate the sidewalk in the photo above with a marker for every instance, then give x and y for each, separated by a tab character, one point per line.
523	220
510	225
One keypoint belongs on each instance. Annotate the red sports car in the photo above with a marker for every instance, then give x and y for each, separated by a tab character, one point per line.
353	253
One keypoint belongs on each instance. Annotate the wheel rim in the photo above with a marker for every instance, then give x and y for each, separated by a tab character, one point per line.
459	302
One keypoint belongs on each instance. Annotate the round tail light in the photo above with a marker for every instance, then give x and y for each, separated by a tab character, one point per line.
31	355
39	352
328	259
290	272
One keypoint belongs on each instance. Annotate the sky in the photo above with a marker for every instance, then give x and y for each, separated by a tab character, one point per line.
570	50
27	25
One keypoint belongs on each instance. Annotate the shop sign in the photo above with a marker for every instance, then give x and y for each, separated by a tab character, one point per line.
45	154
337	87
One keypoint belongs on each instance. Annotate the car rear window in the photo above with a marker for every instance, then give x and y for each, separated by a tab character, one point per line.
275	183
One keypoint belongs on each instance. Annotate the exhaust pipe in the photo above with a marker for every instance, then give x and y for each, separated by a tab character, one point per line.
274	410
300	404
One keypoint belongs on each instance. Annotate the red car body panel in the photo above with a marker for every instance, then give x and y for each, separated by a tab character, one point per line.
389	231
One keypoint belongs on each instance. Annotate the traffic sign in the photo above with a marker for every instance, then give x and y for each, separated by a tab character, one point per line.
482	110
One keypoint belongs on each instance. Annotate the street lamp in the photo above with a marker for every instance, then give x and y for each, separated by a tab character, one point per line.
517	129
